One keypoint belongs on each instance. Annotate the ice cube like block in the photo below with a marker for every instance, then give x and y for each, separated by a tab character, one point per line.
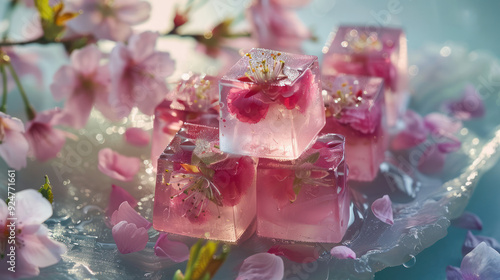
194	99
372	51
305	199
271	105
355	108
202	192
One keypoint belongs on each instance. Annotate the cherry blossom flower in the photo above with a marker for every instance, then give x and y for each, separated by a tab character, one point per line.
136	136
481	263
262	266
138	74
34	248
130	230
382	209
342	252
84	83
117	166
13	145
45	140
108	19
277	27
176	251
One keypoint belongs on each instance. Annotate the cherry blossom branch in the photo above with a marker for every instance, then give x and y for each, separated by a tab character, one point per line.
30	112
3	107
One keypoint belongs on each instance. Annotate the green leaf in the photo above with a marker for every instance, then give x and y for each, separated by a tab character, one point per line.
203	264
178	275
46	190
45	10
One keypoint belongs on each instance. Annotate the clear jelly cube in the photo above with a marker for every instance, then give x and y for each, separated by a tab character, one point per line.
305	199
271	105
202	192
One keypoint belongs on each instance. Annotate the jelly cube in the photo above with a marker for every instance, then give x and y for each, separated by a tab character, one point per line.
194	99
305	199
202	192
355	108
271	105
372	51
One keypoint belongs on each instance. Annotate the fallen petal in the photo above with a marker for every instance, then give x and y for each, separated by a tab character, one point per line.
471	242
382	209
414	133
126	213
453	273
117	166
468	220
176	251
481	263
299	253
117	196
469	106
129	238
136	136
342	252
262	266
432	160
439	124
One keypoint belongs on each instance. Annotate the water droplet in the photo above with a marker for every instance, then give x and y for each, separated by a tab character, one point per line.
411	262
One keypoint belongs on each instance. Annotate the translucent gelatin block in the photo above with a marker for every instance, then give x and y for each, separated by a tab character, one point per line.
194	99
355	108
202	192
372	51
271	105
305	199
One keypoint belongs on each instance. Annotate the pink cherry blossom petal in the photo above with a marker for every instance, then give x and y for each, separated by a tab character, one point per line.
64	82
299	253
291	3
342	252
129	238
32	208
117	166
453	273
86	60
262	266
45	141
137	136
414	133
42	251
468	220
440	124
14	147
432	160
134	13
382	209
142	45
126	213
471	241
481	263
449	145
176	251
469	106
117	196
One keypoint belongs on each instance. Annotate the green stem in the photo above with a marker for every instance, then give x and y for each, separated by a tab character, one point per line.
30	112
3	107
